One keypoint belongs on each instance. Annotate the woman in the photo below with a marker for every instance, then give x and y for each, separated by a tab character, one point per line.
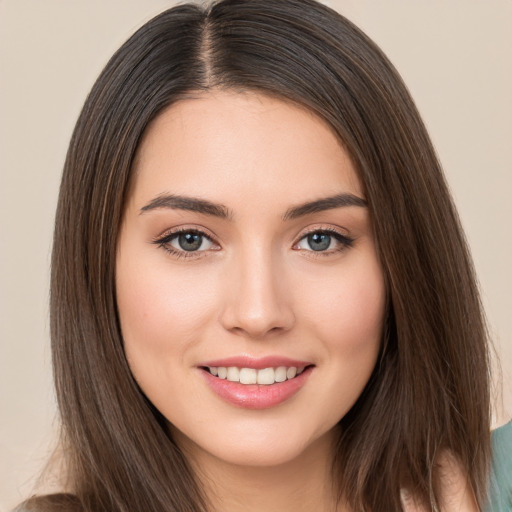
261	294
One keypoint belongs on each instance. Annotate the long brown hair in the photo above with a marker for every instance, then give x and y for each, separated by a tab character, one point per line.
429	392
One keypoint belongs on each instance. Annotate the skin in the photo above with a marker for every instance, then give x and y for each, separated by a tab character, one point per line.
456	494
255	287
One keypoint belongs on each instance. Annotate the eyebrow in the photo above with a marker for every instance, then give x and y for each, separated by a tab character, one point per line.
327	203
194	204
177	202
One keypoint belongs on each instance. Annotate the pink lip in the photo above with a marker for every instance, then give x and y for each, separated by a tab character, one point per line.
257	363
256	396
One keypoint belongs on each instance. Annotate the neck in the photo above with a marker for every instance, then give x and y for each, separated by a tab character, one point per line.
299	485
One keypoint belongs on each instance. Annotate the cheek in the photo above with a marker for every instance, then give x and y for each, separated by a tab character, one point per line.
161	311
347	315
351	326
348	310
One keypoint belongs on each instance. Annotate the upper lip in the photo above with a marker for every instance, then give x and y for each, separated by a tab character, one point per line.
257	363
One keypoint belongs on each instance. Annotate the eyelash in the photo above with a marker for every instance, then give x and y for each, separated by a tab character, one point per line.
345	242
165	240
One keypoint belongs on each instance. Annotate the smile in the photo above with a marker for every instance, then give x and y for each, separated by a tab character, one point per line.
256	388
265	376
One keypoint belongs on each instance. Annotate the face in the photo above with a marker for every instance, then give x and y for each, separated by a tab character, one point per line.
250	295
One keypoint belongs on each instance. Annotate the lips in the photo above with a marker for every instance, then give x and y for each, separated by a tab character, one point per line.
253	383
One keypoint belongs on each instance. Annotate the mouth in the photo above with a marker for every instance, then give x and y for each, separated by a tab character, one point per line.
264	376
256	383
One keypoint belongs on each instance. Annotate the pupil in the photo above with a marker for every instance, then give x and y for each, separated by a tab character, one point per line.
319	241
190	241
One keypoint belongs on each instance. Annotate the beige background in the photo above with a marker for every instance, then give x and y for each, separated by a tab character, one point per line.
455	56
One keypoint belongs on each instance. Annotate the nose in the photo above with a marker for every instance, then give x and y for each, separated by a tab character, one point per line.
258	302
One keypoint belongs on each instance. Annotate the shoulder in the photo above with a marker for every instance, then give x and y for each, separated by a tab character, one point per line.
500	485
502	439
51	503
454	491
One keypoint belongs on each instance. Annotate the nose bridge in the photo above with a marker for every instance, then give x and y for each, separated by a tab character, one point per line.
258	303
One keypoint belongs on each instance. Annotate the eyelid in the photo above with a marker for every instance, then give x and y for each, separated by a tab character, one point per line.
342	237
185	228
163	240
324	228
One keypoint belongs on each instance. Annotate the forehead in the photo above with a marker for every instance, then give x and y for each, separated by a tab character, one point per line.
236	145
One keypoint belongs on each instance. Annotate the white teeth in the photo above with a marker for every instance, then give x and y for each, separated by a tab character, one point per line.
291	372
233	374
265	376
248	376
281	374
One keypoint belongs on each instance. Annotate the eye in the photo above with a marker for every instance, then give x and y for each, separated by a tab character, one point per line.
186	242
190	241
324	241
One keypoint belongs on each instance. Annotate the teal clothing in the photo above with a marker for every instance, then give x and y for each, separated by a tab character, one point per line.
500	484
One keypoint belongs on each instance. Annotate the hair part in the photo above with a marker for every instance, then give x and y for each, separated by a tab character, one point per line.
434	364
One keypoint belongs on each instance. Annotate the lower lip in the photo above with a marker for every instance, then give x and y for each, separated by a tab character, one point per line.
256	396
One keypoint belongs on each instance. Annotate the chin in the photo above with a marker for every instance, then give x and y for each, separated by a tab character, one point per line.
266	447
262	454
